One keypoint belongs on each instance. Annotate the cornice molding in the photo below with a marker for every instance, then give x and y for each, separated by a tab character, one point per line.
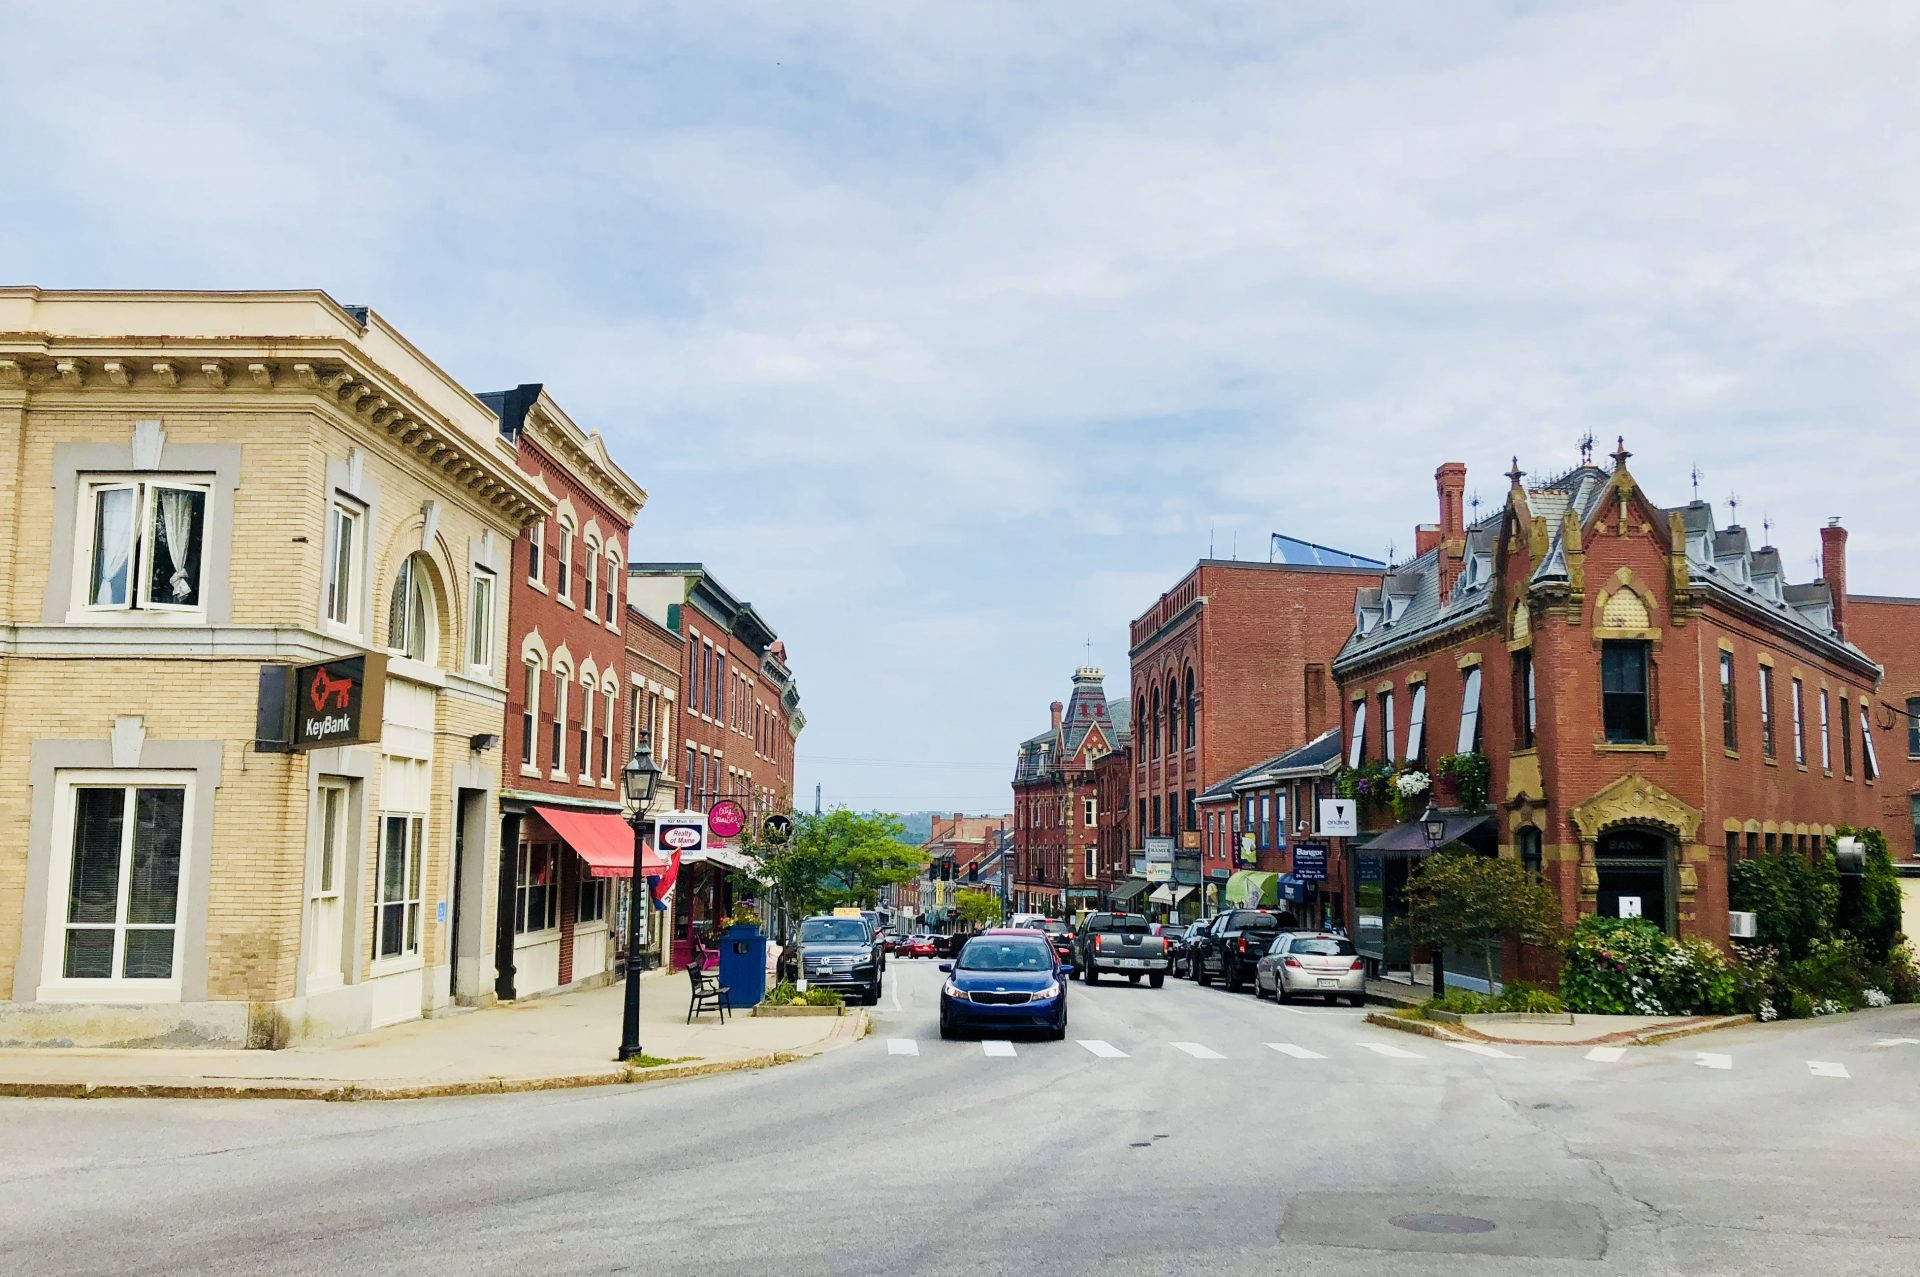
586	454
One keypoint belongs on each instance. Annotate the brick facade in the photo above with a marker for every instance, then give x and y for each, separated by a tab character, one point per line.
1889	630
1058	803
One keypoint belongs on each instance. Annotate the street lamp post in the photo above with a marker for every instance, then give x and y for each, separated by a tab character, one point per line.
638	780
1434	826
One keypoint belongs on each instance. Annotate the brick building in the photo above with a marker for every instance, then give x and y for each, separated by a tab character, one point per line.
1057	804
1232	666
201	490
1113	790
959	850
562	837
1888	629
655	657
1263	818
1652	697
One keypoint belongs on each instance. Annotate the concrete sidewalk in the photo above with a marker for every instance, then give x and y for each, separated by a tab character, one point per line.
1585	1030
538	1044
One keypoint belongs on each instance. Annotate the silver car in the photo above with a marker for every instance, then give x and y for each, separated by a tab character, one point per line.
1309	962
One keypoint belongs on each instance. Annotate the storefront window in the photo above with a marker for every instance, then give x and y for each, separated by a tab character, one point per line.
123	888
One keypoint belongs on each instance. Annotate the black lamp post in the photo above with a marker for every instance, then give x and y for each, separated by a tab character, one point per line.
638	781
1434	826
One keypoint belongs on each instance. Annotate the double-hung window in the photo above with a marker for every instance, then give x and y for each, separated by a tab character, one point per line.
145	546
1729	711
1090	812
1826	735
1469	739
1525	714
1626	693
536	548
1766	711
1869	760
613	580
1417	725
590	579
344	521
563	562
1387	732
121	920
586	732
1799	724
480	622
396	911
536	891
1913	727
1357	743
606	736
530	719
1846	736
560	677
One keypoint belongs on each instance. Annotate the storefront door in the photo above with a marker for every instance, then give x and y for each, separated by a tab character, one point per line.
324	907
1635	866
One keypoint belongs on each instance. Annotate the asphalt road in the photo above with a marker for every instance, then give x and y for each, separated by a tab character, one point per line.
1200	1131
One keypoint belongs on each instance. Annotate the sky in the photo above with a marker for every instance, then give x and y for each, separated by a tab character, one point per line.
951	335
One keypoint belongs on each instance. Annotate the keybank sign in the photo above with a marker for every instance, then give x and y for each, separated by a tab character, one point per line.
339	702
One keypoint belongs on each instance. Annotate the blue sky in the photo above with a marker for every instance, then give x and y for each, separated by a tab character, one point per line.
946	333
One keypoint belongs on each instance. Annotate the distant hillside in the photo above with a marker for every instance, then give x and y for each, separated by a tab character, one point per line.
919	825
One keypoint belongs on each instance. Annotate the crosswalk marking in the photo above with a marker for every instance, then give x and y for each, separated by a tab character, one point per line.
1606	1054
1391	1052
1197	1051
902	1046
1826	1068
1297	1052
1898	1042
997	1048
1708	1060
1491	1052
1105	1050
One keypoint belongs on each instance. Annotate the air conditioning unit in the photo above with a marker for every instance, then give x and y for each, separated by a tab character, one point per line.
1742	925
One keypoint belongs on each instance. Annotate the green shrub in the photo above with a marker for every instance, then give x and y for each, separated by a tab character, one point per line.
1899	978
1531	998
1628	966
1462	1002
1833	975
785	994
824	998
1794	902
1868	907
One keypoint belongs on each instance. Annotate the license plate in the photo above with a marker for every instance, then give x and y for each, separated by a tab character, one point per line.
1324	981
1133	962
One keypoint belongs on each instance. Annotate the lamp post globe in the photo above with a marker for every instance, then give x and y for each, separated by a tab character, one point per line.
638	781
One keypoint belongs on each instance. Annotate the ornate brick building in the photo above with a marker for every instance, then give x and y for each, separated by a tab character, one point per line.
1651	695
1888	629
1057	802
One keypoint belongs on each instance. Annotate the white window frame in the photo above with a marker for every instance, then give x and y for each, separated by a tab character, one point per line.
536	553
1469	710
563	565
344	597
1870	758
1388	729
413	925
562	680
55	986
140	546
1357	746
590	586
587	696
610	694
530	718
1090	812
480	627
614	565
430	639
1416	722
1826	735
1799	724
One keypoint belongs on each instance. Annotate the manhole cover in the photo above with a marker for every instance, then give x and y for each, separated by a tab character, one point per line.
1442	1223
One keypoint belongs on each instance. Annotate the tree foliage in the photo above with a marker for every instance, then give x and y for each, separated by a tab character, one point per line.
837	858
976	909
1461	902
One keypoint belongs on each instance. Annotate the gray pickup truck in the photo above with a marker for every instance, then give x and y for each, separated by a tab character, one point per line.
1120	944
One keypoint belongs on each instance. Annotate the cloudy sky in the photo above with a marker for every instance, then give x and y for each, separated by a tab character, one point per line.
951	334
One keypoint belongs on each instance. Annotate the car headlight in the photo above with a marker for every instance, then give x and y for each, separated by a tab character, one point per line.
1045	994
952	990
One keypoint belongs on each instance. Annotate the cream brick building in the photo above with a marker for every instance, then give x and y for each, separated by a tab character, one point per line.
194	486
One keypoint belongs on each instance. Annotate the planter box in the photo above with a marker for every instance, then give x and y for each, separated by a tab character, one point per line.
1502	1017
776	1012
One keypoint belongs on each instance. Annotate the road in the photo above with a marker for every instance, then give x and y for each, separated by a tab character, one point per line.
1176	1130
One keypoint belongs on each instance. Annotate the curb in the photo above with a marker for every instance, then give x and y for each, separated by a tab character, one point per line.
846	1030
1641	1037
1419	1028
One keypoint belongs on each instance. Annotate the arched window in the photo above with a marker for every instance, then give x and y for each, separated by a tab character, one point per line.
1173	716
1193	707
609	690
410	616
588	683
614	567
530	715
1153	726
590	584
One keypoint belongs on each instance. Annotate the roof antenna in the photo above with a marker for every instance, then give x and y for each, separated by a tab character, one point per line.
1696	483
1766	529
1209	540
1089	651
1236	545
1586	448
1473	503
1733	505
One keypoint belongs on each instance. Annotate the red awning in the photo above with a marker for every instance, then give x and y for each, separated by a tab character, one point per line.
602	839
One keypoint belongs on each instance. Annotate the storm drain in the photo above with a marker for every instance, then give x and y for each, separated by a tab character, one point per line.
1443	1223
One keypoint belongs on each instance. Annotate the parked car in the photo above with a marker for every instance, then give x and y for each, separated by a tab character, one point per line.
1060	935
948	944
1004	980
1229	949
1308	962
920	946
1181	951
840	953
1119	944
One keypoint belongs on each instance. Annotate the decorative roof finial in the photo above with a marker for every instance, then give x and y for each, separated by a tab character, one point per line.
1473	503
1766	528
1620	453
1516	474
1586	448
1696	483
1733	508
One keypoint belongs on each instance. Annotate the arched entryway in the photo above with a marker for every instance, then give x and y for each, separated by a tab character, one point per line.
1635	865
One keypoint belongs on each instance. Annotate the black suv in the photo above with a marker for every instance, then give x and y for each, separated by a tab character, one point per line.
1229	949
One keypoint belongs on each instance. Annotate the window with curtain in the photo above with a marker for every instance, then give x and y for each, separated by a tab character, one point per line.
396	908
145	544
536	891
1357	739
1729	713
410	614
1417	725
1626	698
1468	741
123	885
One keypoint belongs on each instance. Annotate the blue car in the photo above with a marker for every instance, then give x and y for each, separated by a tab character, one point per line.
1005	980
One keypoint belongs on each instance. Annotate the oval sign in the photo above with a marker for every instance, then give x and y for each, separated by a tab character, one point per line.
726	818
680	837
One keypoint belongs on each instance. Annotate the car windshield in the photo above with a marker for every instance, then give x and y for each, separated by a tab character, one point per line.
1053	927
1005	953
1254	922
832	931
1325	946
1116	922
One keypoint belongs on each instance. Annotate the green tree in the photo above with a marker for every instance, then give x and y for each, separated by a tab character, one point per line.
1461	902
837	858
977	909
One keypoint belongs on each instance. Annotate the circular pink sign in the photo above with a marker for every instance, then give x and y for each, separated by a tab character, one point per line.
726	818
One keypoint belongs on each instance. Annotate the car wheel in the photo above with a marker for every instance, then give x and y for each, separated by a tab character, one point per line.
1157	979
1356	999
1281	993
1133	978
1232	977
946	1030
1200	975
1090	975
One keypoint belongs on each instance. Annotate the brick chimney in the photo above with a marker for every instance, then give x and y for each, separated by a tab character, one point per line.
1058	710
1833	567
1450	485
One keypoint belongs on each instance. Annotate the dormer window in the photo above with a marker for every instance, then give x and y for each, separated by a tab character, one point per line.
1397	606
1369	619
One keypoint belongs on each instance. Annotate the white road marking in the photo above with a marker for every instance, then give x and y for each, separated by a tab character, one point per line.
1708	1060
1826	1068
1290	1010
1606	1054
1898	1042
1391	1052
902	1046
1491	1052
1297	1052
997	1048
1105	1050
893	996
1197	1051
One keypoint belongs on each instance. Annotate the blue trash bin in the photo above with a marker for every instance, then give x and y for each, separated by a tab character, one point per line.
743	965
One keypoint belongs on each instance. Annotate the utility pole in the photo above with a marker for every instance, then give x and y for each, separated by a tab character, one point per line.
816	798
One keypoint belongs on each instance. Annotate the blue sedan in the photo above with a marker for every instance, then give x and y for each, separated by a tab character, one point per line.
1003	981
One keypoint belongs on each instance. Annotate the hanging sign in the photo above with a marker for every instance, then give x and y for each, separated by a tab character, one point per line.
777	828
1338	818
726	818
683	838
1310	861
339	702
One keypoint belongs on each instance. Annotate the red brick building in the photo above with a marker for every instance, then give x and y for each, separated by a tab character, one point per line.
1232	666
566	737
1888	629
1113	788
1057	803
655	657
1652	697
